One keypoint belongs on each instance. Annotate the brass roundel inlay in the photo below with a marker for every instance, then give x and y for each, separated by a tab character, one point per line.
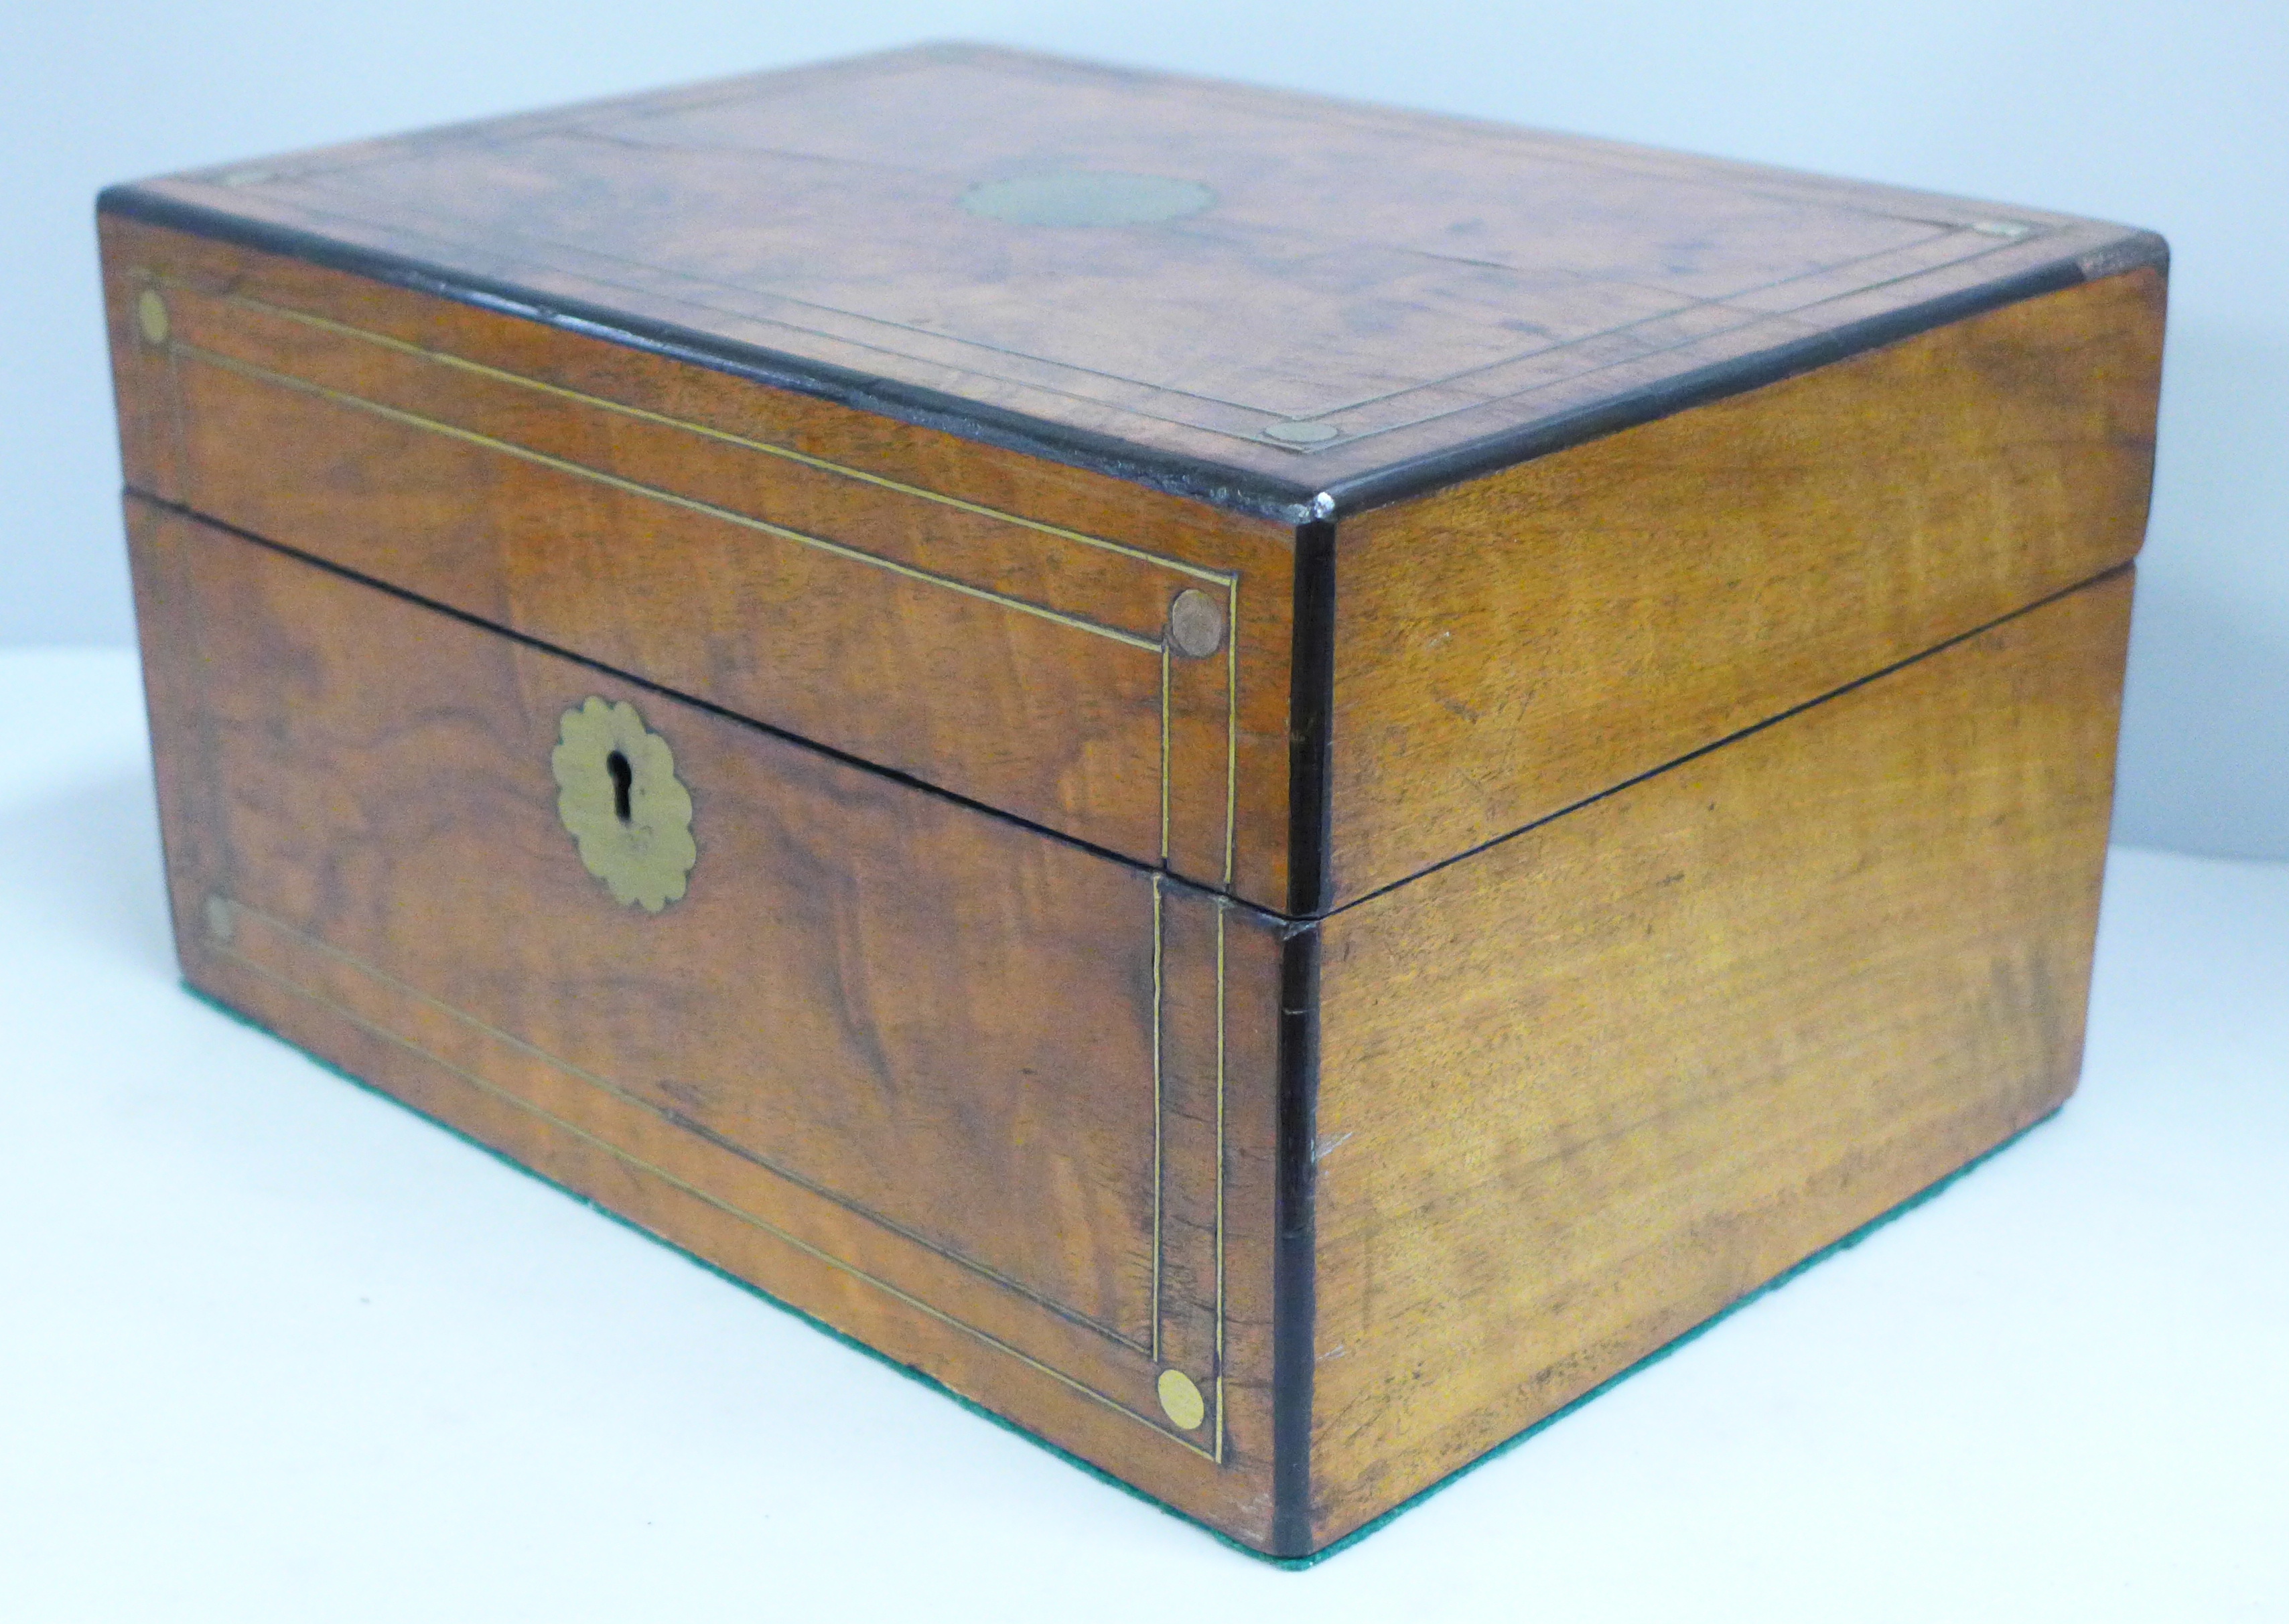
1195	623
619	795
151	316
1180	1396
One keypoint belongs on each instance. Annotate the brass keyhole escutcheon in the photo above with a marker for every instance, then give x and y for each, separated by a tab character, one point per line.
618	797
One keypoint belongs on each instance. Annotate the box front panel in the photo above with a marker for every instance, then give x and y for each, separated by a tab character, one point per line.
961	1089
1584	1090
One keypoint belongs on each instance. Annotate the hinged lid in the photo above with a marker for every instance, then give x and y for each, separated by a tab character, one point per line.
1275	302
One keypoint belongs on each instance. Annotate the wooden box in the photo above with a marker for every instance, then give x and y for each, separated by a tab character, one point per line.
1269	783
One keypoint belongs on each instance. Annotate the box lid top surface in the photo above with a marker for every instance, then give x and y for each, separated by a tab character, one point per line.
1277	303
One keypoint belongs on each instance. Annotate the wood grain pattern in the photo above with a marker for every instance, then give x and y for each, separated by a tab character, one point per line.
1582	1091
989	623
1508	648
995	1105
1405	283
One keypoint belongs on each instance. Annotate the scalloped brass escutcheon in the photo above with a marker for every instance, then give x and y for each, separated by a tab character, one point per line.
1180	1396
620	797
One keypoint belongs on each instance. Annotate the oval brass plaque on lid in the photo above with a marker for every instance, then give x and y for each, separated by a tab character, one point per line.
620	797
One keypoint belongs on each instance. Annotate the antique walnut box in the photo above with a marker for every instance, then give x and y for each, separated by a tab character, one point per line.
1268	782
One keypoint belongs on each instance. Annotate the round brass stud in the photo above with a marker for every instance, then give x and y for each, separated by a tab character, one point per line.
151	316
1180	1396
1195	624
619	796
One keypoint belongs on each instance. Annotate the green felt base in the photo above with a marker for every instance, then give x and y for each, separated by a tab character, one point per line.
1102	1475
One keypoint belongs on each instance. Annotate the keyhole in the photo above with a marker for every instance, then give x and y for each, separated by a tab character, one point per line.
624	778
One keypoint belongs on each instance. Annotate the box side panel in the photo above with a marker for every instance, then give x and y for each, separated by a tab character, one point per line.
991	624
1585	1088
990	1102
1509	646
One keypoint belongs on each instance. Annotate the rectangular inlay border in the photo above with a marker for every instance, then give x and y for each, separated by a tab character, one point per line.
1228	581
225	937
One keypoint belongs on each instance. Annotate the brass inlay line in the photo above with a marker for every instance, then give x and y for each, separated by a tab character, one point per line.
1231	735
666	1177
231	363
1164	754
1219	1184
1159	1007
462	363
231	949
605	1085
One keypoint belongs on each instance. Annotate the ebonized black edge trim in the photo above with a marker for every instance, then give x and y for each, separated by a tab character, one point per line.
1294	1260
1310	709
1199	479
1219	485
1311	703
1724	379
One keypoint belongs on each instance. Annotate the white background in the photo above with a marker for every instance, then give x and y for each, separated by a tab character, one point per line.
2170	113
271	1347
